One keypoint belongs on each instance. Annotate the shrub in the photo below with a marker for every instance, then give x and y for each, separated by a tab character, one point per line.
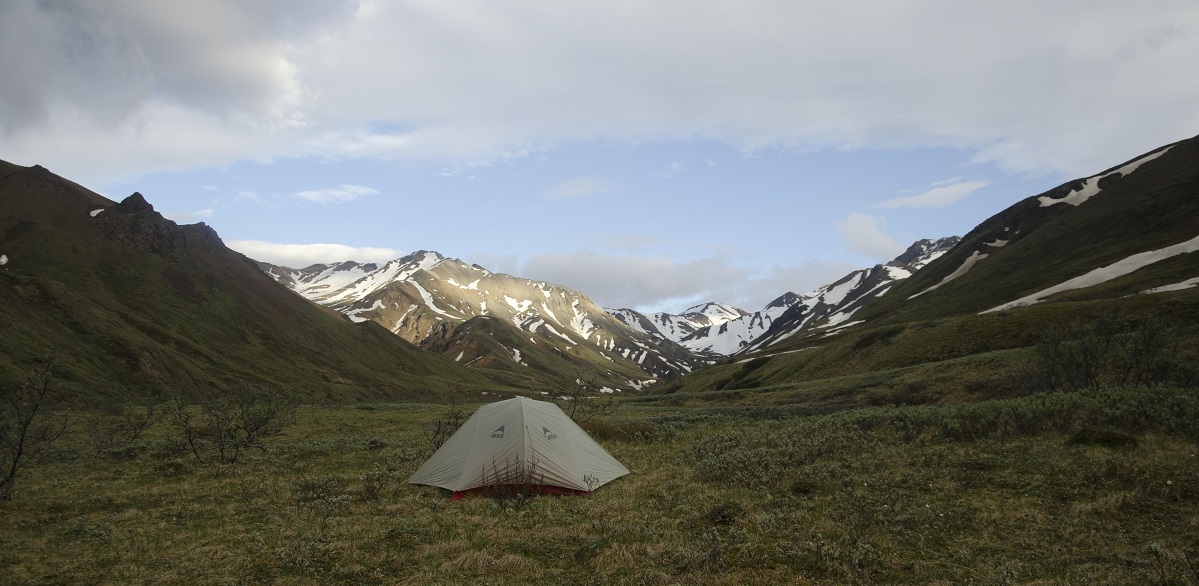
116	435
27	429
224	426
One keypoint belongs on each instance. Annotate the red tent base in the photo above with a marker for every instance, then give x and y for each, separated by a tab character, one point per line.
510	490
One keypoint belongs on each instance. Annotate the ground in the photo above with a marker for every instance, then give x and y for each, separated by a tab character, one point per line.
953	495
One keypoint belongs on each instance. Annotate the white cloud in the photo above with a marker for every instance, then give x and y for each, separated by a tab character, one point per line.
660	284
938	197
101	89
303	255
341	194
582	186
864	234
189	217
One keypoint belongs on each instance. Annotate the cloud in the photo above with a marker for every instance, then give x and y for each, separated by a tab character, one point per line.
303	255
109	59
342	194
864	234
937	197
650	283
111	87
189	217
590	185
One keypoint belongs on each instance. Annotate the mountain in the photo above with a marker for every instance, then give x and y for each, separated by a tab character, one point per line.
677	327
537	333
720	329
1115	247
1125	230
129	303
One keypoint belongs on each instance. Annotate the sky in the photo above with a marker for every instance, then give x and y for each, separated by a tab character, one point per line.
651	154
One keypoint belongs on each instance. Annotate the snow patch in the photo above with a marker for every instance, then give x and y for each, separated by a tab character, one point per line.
519	306
580	322
3	259
1090	187
1104	274
966	266
842	327
428	299
353	314
837	294
640	384
897	272
95	213
400	321
1187	284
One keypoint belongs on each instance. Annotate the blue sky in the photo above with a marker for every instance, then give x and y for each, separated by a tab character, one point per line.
652	155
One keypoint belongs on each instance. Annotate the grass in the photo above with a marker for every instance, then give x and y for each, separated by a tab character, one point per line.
999	492
945	360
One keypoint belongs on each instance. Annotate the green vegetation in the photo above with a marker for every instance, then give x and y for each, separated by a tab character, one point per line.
1083	487
947	360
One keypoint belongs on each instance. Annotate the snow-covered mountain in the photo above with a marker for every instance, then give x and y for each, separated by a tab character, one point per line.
437	302
676	327
427	299
729	330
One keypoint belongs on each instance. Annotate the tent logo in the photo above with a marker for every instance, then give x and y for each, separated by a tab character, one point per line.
498	433
549	435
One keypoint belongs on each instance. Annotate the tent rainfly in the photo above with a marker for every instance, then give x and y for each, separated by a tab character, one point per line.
520	442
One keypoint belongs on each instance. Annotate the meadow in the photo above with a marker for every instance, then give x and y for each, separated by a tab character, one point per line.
1086	487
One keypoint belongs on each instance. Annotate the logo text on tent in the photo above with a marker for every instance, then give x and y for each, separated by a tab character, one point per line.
549	435
498	433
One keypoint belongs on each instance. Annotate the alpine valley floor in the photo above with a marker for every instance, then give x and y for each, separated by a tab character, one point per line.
1090	487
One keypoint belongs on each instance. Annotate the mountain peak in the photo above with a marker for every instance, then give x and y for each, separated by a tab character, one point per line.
134	203
927	250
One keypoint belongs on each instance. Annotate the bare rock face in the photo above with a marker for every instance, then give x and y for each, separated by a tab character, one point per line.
137	225
134	204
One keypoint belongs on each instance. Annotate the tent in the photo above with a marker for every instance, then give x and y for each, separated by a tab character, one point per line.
520	442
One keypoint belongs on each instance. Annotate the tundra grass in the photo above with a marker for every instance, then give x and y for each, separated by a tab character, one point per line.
1083	488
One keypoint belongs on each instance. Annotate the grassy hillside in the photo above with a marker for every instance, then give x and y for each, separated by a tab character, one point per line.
129	304
952	359
1150	209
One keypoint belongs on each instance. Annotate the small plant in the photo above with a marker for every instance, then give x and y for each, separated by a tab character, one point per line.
372	484
581	406
513	484
445	425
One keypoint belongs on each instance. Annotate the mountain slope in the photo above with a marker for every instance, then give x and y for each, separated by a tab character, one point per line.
130	303
1144	205
446	305
1116	246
